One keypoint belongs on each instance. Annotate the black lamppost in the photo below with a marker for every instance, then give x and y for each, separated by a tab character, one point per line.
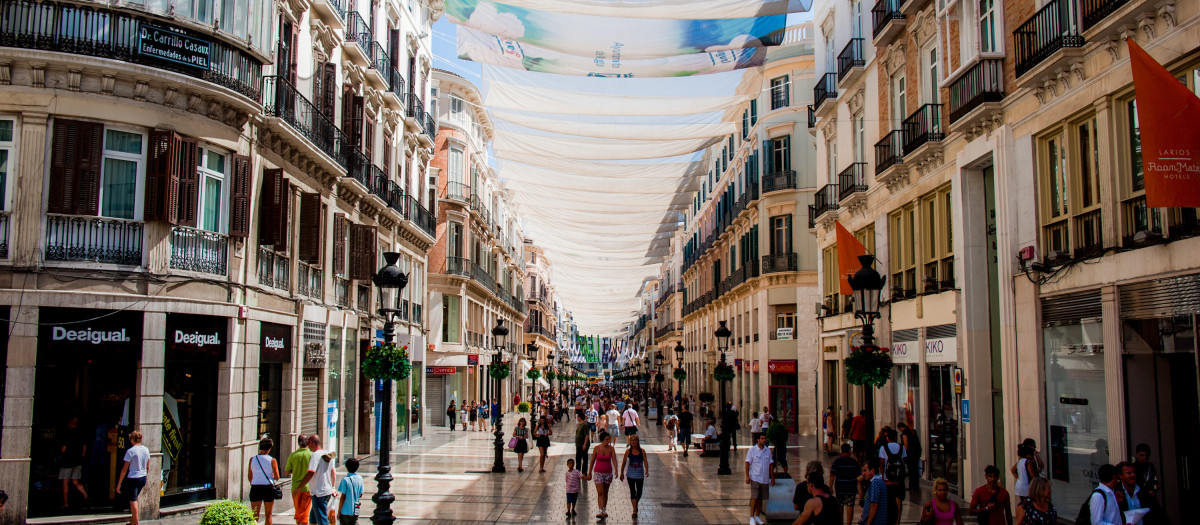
867	285
388	278
531	351
498	335
723	334
679	358
658	362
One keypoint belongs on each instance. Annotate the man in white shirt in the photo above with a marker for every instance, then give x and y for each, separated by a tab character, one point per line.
760	475
592	415
755	427
614	419
630	420
320	481
1103	500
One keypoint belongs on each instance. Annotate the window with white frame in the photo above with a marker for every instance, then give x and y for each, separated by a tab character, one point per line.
899	99
7	154
214	167
860	138
856	19
931	74
987	26
457	108
124	163
455	165
780	86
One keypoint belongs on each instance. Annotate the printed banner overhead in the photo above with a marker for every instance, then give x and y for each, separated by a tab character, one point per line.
1170	155
626	130
595	36
543	100
481	47
682	9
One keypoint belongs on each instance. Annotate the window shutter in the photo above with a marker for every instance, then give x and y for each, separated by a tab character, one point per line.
309	247
368	144
283	215
356	121
268	207
188	176
339	243
90	156
318	97
394	48
157	174
239	197
63	162
347	112
330	90
362	251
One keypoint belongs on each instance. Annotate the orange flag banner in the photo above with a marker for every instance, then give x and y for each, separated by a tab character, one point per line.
848	251
1166	109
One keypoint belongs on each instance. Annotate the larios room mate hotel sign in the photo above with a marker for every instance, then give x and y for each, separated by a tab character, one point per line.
173	46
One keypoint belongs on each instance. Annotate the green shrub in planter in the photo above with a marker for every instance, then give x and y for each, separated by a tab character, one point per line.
777	433
227	512
523	407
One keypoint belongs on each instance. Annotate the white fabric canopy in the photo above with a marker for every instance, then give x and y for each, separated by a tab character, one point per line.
651	132
522	144
521	175
678	9
511	96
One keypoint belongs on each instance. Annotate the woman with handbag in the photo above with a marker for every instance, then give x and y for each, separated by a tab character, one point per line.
521	445
263	471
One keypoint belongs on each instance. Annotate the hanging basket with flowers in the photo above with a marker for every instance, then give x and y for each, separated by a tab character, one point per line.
723	373
499	370
550	375
680	374
659	377
868	366
387	361
533	374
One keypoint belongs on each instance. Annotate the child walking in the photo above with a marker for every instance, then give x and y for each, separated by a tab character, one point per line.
573	477
351	489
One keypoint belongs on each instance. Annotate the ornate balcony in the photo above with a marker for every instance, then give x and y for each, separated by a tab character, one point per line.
779	181
414	112
282	100
888	21
1048	41
974	97
420	216
379	66
825	89
310	282
923	131
850	62
358	38
889	156
852	184
457	191
197	250
334	11
825	202
780	262
274	269
94	239
458	266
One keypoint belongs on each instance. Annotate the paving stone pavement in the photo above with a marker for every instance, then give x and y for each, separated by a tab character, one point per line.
445	478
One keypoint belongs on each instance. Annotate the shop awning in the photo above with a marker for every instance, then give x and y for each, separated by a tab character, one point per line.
450	360
542	383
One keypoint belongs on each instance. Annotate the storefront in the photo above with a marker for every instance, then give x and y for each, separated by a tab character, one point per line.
943	430
86	376
906	378
275	353
782	391
196	345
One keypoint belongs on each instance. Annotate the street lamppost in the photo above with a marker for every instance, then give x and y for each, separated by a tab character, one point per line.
387	278
531	352
867	285
679	357
658	362
498	335
723	334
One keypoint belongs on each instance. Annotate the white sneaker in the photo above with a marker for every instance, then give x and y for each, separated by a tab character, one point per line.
755	520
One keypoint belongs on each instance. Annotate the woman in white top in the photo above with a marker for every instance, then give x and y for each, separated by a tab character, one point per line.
263	470
1025	470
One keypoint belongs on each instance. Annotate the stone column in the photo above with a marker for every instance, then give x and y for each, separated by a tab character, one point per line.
151	379
18	409
233	444
26	233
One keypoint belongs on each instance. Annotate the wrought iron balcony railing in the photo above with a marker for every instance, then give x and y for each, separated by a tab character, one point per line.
780	262
94	239
1096	10
281	99
889	151
826	89
826	199
781	180
884	12
419	215
380	62
852	180
5	218
309	281
1055	26
274	269
341	291
457	191
922	127
982	83
114	34
416	108
197	250
458	266
358	31
850	58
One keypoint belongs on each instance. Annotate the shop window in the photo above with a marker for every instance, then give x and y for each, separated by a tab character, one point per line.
1076	400
1069	171
936	241
831	281
901	248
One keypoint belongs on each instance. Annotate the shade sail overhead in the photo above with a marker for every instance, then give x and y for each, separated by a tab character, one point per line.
511	96
630	130
481	47
611	37
522	144
678	9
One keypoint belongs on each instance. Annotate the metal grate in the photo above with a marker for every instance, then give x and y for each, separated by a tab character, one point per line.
941	331
906	335
1161	298
1071	308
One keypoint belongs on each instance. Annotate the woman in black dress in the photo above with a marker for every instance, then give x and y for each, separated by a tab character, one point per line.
543	433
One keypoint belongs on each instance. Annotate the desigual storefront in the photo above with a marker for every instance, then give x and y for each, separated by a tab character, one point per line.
196	345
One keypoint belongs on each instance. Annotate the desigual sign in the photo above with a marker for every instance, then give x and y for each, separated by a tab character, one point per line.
91	332
276	344
89	335
196	337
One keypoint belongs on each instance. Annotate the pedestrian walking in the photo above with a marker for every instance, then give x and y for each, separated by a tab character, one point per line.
543	433
990	501
592	416
635	469
451	415
1024	470
912	454
829	427
631	422
859	436
495	413
1102	503
875	500
582	441
133	476
760	475
671	422
685	428
72	454
731	424
604	465
844	473
297	467
820	508
613	418
484	412
472	416
755	426
521	445
1037	509
351	490
573	484
262	472
320	481
940	510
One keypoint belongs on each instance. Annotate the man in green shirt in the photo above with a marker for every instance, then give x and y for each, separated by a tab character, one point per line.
583	432
297	468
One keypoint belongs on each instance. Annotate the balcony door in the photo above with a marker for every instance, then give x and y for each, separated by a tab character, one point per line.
781	235
899	100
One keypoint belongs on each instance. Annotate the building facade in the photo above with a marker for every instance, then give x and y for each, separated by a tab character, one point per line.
1004	200
745	260
477	264
194	206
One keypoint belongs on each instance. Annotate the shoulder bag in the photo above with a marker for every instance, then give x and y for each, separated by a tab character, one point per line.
278	489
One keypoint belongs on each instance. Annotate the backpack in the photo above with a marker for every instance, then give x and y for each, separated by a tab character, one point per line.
894	469
670	424
1085	511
